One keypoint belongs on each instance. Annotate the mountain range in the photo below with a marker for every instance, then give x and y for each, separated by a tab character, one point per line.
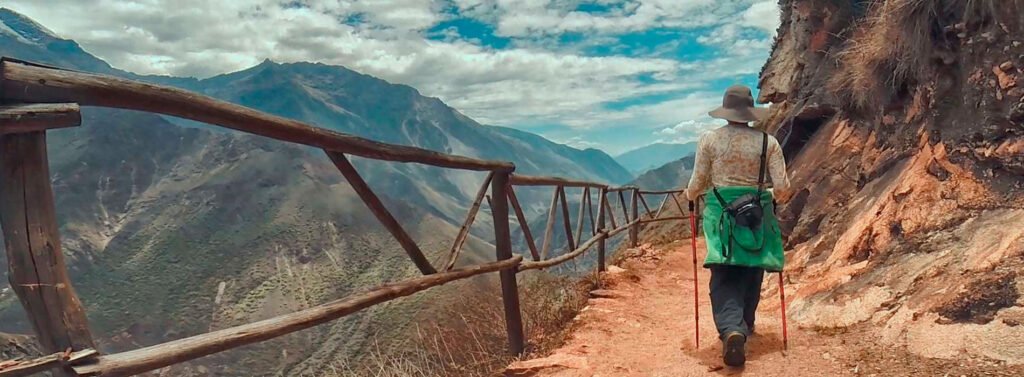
648	157
172	228
673	175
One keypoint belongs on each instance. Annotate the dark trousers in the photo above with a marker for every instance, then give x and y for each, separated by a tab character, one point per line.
735	293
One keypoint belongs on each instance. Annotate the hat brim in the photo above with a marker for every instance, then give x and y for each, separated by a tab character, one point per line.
744	115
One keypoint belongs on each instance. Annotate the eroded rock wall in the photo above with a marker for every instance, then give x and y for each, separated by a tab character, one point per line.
905	126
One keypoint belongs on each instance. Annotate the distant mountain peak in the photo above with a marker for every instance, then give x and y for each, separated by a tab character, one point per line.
23	28
654	155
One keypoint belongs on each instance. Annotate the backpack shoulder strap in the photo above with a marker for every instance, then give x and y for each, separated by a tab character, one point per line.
764	158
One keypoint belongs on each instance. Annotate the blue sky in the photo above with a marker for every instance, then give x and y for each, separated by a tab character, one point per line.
613	75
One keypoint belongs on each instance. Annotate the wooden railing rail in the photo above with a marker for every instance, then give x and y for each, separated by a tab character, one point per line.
38	117
37	98
601	236
526	180
630	217
670	195
177	351
663	192
30	82
647	221
623	188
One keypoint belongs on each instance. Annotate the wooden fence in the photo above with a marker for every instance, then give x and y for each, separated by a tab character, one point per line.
35	98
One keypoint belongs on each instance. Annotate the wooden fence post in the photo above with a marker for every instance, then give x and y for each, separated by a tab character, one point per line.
634	230
503	249
601	226
35	260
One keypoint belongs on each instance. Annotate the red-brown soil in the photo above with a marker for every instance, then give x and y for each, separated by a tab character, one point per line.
641	324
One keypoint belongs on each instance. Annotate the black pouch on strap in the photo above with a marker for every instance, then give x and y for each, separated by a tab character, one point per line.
747	210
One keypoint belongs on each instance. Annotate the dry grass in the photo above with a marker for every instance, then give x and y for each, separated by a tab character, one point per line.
468	337
895	45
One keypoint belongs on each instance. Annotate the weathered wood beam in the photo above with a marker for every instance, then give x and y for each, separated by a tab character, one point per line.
181	350
528	265
623	188
590	208
622	201
20	118
526	180
621	229
634	231
664	219
524	224
609	214
503	252
662	192
35	260
661	208
549	228
582	212
381	212
566	220
29	82
646	208
600	228
678	205
460	240
43	364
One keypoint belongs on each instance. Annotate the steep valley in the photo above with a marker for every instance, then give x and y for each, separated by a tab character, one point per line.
172	228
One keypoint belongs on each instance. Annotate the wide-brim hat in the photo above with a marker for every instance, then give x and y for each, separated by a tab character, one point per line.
738	106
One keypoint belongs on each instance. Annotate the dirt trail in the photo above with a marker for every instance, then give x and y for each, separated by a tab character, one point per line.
641	324
645	328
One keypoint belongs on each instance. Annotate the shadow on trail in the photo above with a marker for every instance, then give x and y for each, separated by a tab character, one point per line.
758	345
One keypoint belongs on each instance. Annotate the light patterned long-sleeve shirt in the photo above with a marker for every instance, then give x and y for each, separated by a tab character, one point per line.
731	156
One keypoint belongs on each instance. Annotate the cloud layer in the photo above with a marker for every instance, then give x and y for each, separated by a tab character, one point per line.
620	71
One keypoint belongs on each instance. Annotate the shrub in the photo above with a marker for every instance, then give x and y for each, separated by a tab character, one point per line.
894	47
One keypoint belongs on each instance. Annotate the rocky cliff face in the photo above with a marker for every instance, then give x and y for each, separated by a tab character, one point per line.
904	123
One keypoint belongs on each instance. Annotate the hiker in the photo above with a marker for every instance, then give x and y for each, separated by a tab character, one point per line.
740	227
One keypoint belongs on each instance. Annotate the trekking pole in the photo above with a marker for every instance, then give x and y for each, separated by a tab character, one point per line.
782	297
782	294
696	298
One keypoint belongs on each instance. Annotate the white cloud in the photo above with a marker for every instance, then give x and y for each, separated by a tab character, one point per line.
524	18
685	131
537	80
579	142
764	15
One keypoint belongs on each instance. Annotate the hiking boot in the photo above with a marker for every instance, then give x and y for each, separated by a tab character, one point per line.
734	351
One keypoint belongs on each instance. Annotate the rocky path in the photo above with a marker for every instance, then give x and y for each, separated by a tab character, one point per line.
641	324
